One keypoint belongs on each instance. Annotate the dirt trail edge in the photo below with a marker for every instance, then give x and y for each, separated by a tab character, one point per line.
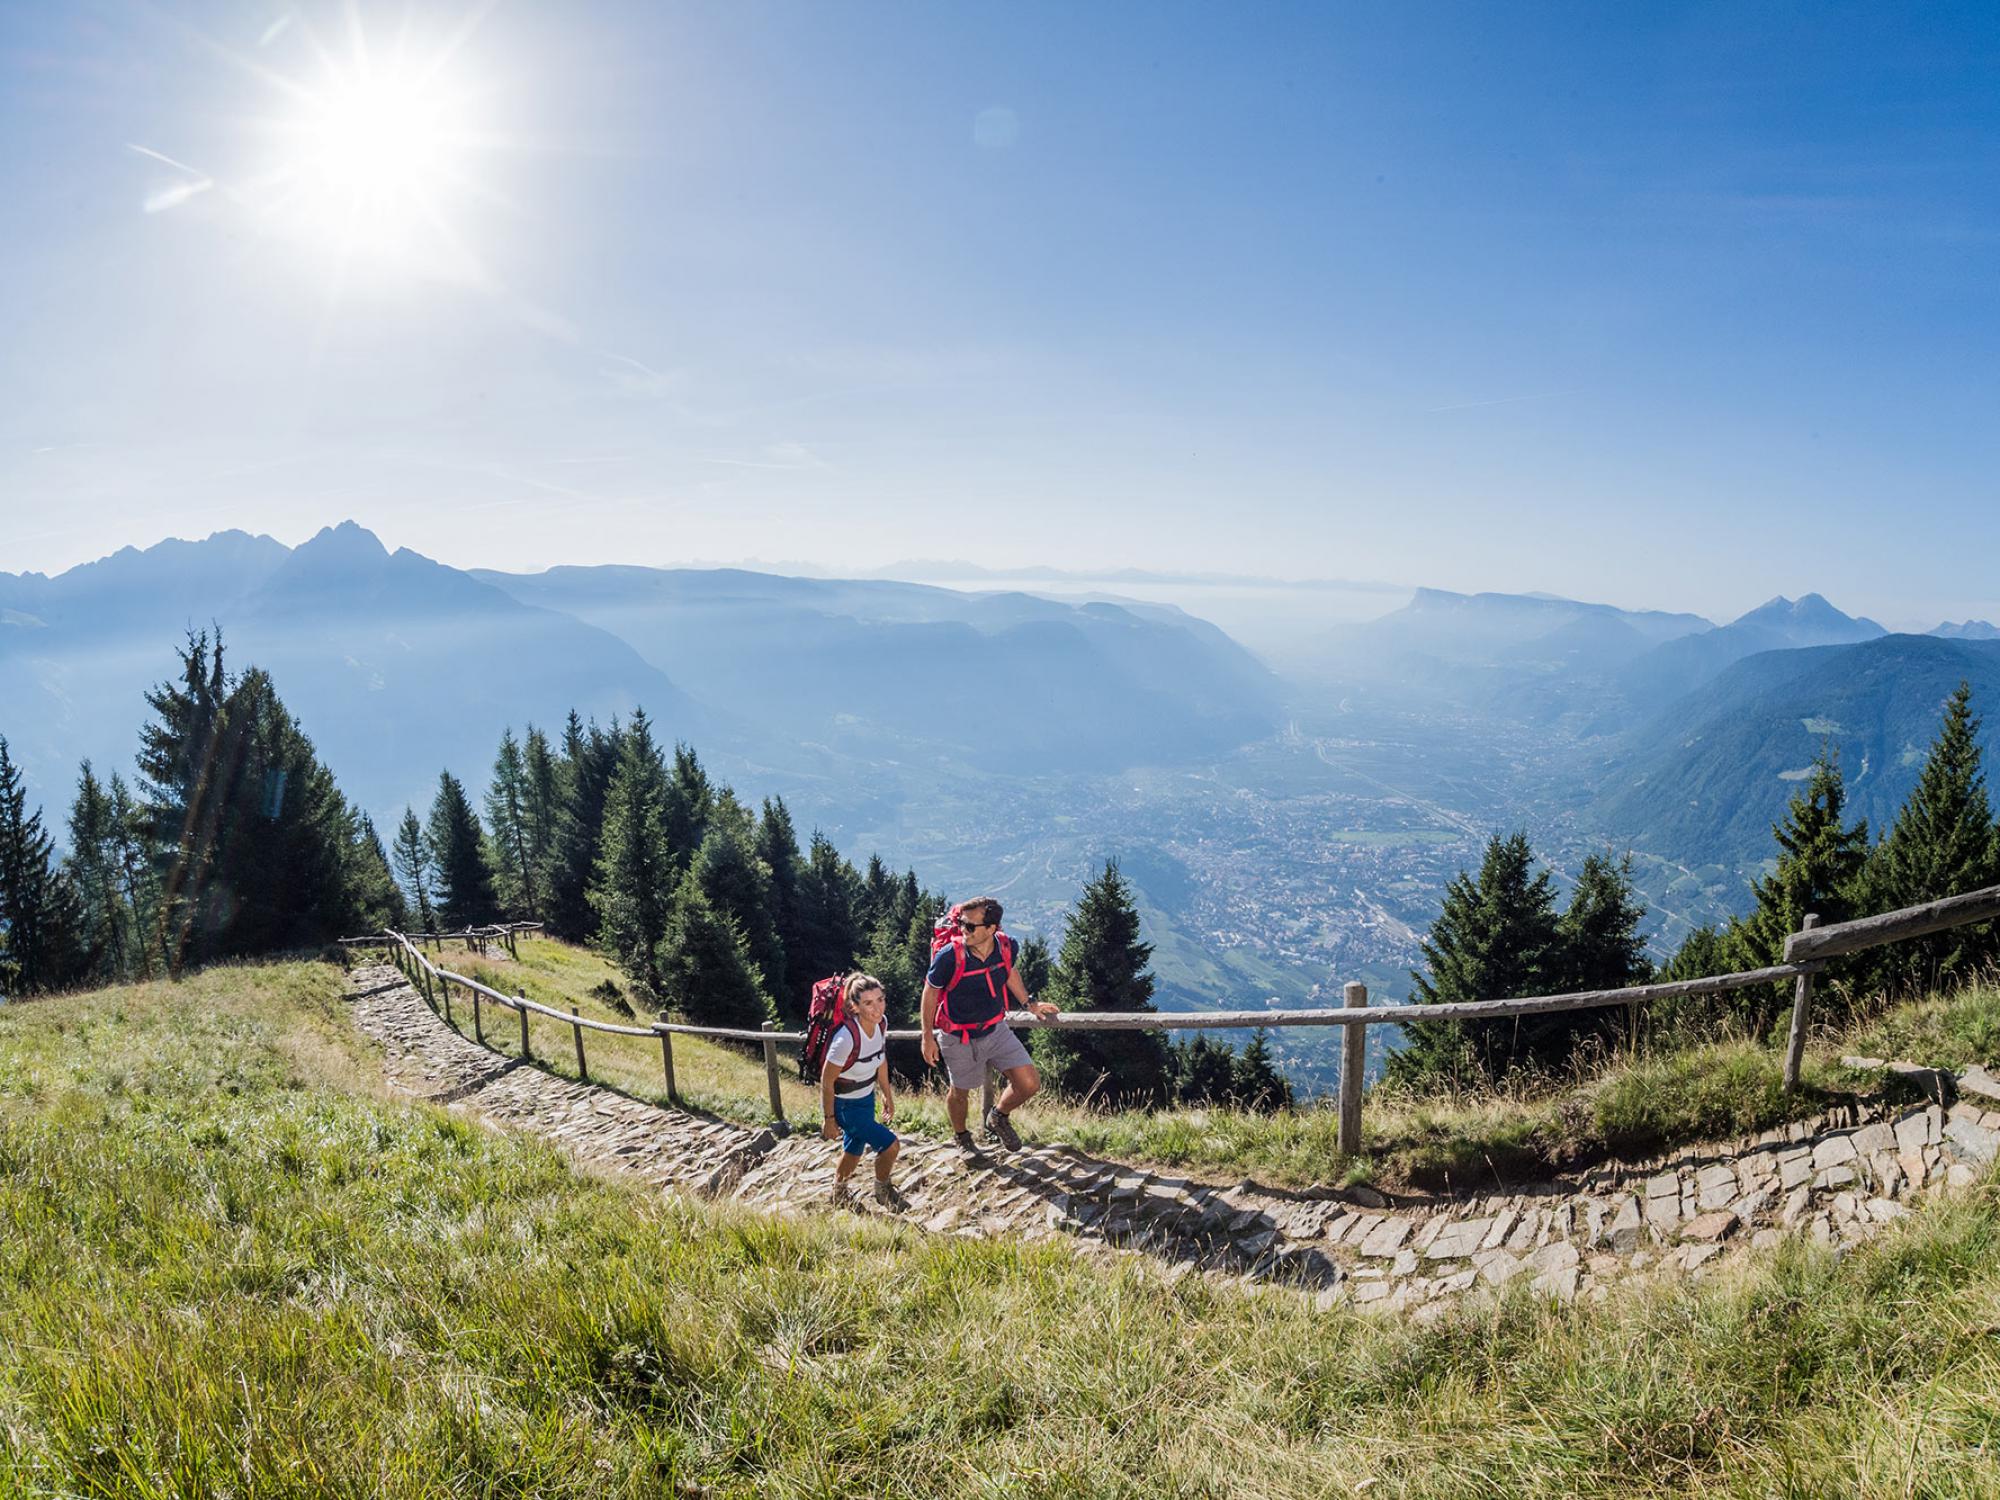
1837	1179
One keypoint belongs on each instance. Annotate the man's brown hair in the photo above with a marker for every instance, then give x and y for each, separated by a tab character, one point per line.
983	907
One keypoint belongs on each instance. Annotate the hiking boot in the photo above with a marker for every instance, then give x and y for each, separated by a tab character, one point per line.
843	1196
967	1146
887	1195
1002	1129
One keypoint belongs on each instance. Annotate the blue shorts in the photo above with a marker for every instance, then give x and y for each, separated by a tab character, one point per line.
859	1129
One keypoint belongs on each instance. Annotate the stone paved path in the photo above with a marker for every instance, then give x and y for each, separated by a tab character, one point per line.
1837	1179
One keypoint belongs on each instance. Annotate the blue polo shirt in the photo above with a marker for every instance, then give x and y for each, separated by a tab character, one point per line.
980	997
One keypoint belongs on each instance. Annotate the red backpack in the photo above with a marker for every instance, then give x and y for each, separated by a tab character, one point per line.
947	932
825	1015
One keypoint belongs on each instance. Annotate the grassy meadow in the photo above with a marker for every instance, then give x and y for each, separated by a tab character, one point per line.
1626	1107
233	1266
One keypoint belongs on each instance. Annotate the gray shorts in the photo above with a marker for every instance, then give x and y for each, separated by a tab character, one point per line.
967	1062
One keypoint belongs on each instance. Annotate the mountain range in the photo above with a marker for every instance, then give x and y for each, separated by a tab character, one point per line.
398	665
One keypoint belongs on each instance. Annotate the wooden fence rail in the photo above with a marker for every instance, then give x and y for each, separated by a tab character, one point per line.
1806	953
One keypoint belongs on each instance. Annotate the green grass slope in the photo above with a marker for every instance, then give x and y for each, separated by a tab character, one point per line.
233	1267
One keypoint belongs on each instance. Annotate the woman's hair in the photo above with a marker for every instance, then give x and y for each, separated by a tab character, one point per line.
858	983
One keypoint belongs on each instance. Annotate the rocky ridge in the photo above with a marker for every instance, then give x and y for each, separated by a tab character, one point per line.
1837	1179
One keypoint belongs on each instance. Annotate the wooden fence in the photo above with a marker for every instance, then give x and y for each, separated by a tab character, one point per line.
1807	952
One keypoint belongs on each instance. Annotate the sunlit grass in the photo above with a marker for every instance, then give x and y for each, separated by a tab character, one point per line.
232	1267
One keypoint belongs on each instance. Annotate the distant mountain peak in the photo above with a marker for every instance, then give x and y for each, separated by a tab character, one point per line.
1969	630
348	540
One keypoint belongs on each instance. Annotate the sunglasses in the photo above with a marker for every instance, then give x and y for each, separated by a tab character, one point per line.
966	924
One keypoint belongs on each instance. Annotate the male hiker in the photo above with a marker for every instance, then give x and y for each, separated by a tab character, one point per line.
972	977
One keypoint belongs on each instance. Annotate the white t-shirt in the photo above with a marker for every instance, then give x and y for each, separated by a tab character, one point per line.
858	1065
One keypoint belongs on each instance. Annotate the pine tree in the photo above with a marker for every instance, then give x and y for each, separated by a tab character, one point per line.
778	851
1203	1070
541	814
186	762
730	875
634	887
376	895
1943	843
705	971
1255	1082
829	937
1496	937
137	877
458	855
687	805
590	755
1035	964
40	915
107	931
1598	947
415	868
1104	966
517	880
1820	862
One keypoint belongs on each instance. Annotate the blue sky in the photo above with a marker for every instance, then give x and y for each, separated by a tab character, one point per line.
1679	306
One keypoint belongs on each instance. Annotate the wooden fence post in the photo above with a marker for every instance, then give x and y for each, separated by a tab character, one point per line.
478	1021
581	1071
771	1074
525	1054
1795	1044
667	1062
447	1007
1353	1055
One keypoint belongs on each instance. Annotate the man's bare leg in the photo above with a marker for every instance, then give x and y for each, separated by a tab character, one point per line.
954	1108
1023	1083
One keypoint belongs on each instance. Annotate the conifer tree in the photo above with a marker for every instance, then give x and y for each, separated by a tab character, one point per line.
590	755
1598	947
635	882
875	898
1255	1082
108	938
1036	965
1943	843
1103	965
137	877
541	811
687	805
376	895
1820	862
186	762
517	879
778	851
730	875
415	868
1203	1070
40	915
829	937
705	971
1496	937
464	891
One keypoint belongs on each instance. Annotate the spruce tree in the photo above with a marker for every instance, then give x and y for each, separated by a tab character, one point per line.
377	896
1819	868
1036	965
1103	965
1598	948
415	868
108	938
687	804
705	971
517	879
829	937
1943	843
41	918
457	845
1255	1082
186	762
778	851
1496	937
590	755
1203	1070
137	877
541	814
635	882
730	875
